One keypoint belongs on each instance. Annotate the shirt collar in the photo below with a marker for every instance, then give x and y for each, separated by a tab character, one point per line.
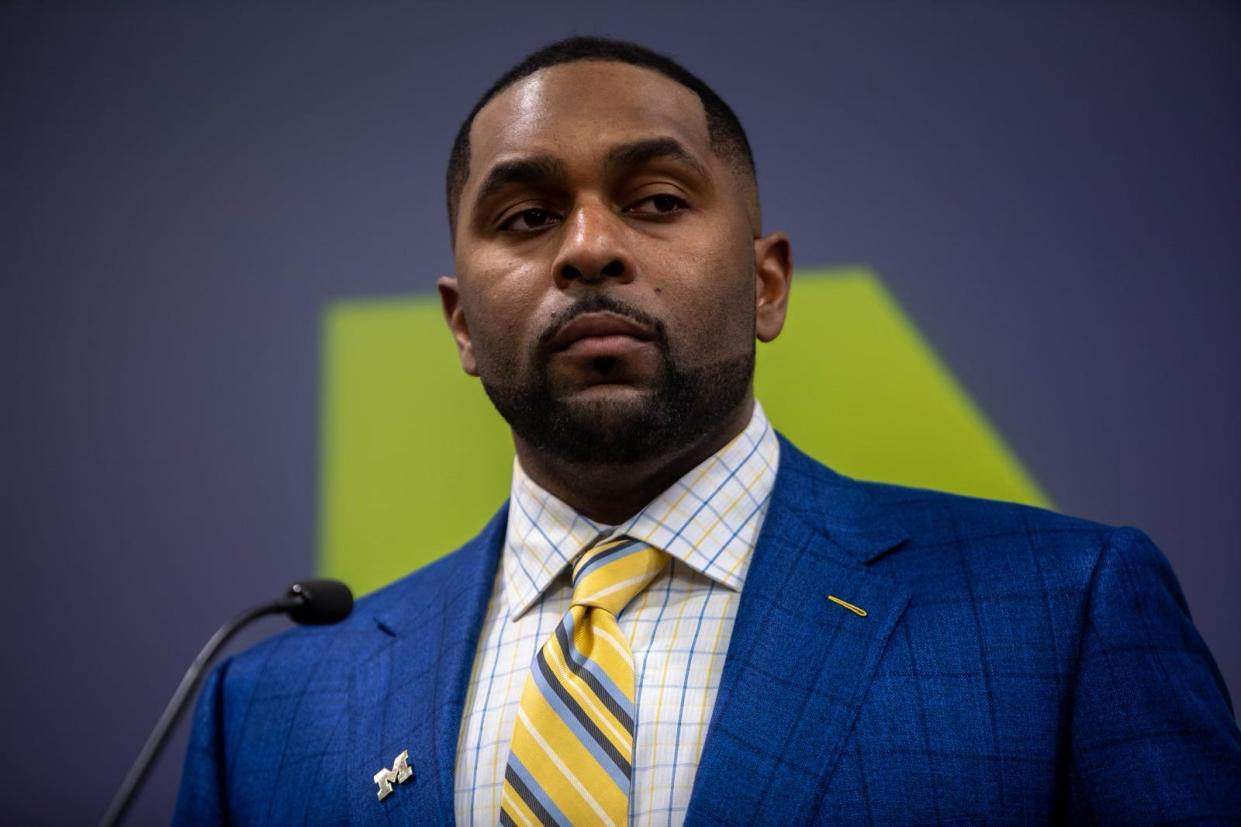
709	519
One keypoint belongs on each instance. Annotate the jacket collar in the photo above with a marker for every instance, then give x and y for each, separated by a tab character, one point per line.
856	526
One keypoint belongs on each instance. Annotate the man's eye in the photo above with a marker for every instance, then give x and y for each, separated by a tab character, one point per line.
662	204
531	219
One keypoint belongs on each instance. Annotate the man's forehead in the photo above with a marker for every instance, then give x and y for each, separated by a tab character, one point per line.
561	108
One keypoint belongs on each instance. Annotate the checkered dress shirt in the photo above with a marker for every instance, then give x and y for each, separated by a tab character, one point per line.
679	628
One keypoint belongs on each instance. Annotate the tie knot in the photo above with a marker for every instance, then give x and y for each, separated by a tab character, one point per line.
609	575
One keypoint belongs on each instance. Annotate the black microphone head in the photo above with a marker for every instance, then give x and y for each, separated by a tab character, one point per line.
318	602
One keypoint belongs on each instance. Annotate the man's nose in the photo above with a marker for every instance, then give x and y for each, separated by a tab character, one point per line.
593	248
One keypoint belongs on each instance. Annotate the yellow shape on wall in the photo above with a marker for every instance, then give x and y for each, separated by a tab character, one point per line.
853	384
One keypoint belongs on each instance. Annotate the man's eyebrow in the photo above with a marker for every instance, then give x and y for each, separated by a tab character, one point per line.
532	169
637	153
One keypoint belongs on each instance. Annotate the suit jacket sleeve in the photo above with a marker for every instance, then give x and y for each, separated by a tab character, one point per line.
201	801
1152	732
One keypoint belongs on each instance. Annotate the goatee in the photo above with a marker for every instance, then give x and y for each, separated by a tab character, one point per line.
680	407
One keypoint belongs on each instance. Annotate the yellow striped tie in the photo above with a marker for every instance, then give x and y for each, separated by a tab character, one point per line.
571	761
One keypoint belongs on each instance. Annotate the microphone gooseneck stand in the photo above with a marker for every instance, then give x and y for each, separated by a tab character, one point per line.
312	602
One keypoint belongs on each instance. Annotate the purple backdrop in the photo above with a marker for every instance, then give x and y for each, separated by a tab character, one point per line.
1051	190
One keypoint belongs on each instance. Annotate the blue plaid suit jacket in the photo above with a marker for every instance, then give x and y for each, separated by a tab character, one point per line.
1014	666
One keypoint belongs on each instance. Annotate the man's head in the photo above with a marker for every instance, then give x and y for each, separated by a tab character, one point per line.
611	276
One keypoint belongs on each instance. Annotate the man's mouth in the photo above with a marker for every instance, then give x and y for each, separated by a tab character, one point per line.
600	335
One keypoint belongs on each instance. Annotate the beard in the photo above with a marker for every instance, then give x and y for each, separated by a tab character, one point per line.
681	407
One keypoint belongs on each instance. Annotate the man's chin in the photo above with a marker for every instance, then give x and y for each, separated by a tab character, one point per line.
602	423
604	395
610	414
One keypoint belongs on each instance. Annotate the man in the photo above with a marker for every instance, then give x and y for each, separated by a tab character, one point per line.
678	617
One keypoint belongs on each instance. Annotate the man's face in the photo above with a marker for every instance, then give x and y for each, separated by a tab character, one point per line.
607	290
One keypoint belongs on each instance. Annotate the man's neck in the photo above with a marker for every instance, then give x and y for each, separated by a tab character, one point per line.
611	493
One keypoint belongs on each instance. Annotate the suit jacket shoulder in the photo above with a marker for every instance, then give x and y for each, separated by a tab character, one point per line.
1013	663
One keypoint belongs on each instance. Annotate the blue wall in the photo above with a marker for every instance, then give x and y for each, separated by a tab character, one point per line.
1051	190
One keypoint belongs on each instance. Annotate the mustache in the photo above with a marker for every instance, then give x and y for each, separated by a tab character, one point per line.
602	303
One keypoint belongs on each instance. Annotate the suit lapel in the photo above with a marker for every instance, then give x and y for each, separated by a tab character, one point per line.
411	693
798	665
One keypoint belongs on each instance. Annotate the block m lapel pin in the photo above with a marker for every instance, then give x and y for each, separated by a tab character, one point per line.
399	774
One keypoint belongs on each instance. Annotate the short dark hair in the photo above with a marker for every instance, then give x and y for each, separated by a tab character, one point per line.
728	138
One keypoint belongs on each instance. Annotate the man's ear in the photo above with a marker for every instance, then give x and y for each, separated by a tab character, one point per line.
454	314
773	266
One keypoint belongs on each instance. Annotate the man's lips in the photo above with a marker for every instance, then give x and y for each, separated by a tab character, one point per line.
600	334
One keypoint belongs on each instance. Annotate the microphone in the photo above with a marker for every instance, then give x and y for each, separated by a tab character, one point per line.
315	602
318	602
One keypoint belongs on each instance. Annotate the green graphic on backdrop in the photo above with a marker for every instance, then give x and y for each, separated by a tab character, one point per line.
414	459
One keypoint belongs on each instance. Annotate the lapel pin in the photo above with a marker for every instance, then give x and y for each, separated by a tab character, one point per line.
857	610
399	774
